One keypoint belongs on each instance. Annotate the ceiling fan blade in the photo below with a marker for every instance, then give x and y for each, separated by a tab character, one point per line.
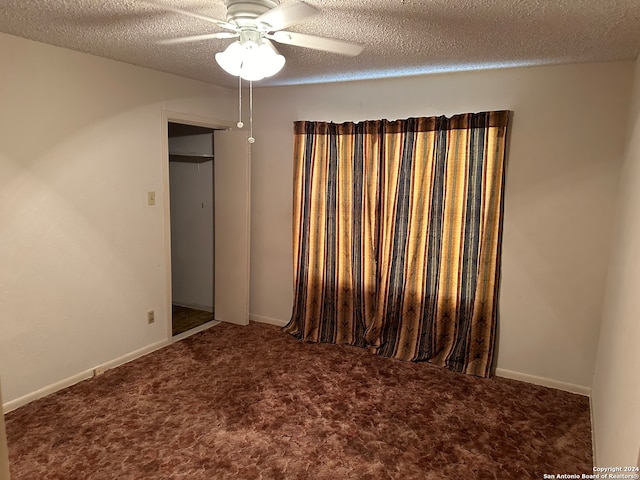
285	15
317	43
197	38
179	11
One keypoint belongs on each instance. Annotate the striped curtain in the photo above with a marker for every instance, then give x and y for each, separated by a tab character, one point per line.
397	234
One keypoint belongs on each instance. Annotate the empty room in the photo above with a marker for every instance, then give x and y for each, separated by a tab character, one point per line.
400	239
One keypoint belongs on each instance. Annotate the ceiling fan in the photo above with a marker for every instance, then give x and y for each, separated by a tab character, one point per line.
255	23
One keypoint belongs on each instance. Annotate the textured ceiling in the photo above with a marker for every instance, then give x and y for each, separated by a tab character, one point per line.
400	37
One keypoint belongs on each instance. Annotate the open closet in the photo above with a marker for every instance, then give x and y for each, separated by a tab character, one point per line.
209	226
192	226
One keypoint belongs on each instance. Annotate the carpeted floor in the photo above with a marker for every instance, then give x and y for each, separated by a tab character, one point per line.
250	402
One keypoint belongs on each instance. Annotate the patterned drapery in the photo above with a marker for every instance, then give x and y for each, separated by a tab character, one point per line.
397	236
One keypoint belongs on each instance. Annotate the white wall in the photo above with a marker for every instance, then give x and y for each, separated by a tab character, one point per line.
82	254
616	389
192	233
565	154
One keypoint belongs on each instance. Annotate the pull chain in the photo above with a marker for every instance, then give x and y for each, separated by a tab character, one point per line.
240	124
251	139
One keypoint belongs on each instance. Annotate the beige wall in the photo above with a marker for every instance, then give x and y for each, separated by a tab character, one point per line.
616	389
82	254
566	150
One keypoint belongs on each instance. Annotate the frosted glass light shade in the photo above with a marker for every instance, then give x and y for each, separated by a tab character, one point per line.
250	60
231	59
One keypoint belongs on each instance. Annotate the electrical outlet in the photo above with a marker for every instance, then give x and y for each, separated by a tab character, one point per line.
98	371
151	317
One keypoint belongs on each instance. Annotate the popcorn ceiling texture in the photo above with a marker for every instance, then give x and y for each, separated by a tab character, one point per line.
400	36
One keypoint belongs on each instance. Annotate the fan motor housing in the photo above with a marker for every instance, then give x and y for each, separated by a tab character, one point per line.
244	12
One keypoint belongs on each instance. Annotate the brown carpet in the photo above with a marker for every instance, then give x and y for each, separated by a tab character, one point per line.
253	403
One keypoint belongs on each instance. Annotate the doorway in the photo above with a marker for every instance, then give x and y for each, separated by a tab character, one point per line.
219	197
191	183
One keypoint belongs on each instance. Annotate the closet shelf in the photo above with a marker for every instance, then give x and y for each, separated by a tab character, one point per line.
190	157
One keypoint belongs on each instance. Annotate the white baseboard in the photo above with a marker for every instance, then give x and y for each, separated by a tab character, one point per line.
48	390
500	372
545	382
141	352
271	321
593	436
72	380
193	331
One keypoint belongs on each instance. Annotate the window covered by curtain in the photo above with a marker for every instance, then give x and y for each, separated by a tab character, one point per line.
397	234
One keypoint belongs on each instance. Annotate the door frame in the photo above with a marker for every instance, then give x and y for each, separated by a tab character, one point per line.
187	119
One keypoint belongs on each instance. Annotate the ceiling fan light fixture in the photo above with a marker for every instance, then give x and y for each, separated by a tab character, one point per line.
271	62
250	60
231	59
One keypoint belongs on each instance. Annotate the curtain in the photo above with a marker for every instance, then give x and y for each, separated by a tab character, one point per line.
397	236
